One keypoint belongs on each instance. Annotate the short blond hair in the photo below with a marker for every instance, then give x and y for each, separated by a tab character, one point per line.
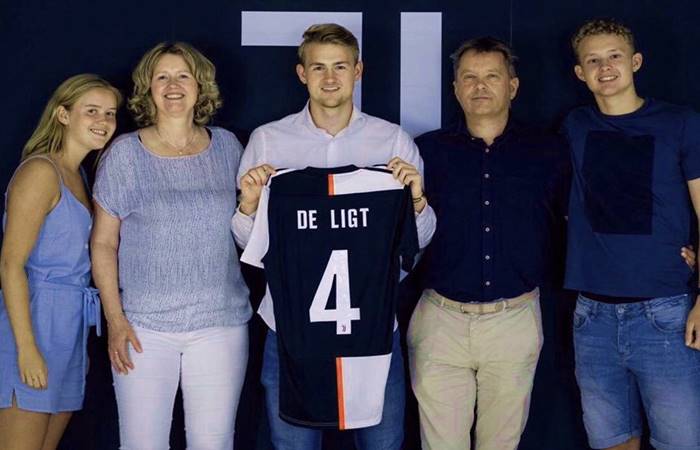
141	101
47	138
596	27
329	33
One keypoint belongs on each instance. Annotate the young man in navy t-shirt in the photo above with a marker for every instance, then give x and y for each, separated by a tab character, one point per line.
635	196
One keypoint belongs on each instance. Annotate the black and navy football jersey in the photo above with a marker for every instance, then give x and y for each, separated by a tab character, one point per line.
331	242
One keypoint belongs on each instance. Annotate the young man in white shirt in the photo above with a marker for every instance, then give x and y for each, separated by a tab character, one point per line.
329	132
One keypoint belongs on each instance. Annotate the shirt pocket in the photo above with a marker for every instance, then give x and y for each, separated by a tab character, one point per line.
617	172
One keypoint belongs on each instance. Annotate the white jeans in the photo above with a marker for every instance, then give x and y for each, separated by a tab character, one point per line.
210	364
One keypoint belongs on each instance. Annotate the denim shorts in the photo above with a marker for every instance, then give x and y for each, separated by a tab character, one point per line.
632	357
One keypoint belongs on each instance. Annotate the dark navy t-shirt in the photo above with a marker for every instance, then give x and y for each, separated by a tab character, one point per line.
629	210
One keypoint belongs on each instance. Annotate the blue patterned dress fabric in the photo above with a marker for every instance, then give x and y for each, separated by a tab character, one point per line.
63	308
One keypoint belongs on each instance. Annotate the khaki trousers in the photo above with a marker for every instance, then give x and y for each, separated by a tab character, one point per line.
466	362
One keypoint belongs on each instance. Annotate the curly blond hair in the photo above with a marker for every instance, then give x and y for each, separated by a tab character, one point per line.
595	27
208	100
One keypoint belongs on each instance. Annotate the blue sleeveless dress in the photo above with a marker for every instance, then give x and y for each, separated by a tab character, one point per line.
63	306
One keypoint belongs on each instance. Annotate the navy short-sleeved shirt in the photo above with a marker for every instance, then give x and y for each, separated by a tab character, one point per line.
497	208
630	210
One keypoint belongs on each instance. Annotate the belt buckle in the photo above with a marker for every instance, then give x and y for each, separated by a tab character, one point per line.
461	309
502	306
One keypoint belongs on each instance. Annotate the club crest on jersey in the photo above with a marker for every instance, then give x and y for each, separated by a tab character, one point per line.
339	218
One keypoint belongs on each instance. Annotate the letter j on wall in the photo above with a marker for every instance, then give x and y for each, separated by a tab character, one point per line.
421	54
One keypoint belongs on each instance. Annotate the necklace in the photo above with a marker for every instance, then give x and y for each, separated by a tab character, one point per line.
179	149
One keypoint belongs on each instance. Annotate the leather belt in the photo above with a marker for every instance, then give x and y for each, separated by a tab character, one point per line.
480	308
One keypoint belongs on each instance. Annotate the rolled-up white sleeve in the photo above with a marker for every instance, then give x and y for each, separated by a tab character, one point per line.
425	220
242	225
425	226
259	237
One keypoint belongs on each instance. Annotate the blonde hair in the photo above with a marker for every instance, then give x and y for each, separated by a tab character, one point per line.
329	33
596	27
208	100
48	134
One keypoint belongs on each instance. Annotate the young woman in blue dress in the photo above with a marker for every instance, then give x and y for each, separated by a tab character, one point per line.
46	304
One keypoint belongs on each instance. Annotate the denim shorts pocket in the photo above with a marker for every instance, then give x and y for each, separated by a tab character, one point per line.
671	315
582	313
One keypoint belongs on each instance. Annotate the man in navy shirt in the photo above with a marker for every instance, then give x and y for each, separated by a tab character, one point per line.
634	197
498	189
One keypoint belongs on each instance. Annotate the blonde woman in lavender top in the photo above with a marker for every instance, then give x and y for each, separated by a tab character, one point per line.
164	259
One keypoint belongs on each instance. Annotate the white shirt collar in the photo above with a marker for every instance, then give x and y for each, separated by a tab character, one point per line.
356	118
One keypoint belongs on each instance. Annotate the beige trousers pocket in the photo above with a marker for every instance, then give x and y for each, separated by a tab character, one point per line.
467	366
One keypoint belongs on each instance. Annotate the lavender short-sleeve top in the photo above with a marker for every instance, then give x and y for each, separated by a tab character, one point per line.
178	267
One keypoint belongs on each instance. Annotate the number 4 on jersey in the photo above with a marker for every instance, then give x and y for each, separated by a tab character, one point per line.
343	314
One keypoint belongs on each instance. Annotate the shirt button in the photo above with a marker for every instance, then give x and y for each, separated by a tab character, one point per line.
488	283
486	175
487	229
487	150
487	203
86	246
487	257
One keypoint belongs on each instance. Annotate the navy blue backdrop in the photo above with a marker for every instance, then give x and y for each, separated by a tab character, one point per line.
45	42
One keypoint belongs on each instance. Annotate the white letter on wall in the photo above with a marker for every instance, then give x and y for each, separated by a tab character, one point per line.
421	71
284	29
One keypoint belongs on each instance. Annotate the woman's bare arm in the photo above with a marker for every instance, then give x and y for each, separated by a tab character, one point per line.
33	193
104	248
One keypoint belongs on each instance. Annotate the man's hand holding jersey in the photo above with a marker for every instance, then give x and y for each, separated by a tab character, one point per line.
408	175
251	187
254	180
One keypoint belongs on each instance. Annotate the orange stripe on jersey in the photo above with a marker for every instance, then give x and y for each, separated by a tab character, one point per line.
341	395
331	186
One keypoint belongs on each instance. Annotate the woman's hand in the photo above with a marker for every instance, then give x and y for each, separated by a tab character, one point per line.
105	245
120	335
32	367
